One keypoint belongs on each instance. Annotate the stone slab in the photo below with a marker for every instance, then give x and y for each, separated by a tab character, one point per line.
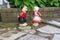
30	31
32	37
54	22
56	37
49	29
27	27
14	36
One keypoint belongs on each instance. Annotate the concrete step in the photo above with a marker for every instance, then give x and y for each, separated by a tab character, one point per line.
56	37
11	35
49	29
25	28
54	23
15	36
32	37
30	31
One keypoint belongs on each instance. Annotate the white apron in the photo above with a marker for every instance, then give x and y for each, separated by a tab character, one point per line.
36	17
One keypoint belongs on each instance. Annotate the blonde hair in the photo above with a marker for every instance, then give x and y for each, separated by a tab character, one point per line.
24	8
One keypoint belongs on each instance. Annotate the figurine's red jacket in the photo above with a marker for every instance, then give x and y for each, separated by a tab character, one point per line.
37	13
22	14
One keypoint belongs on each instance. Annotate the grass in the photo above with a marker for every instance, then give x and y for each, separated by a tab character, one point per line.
8	25
11	25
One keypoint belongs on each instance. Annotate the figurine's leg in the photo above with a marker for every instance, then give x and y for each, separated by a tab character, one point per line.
35	24
20	19
20	25
24	24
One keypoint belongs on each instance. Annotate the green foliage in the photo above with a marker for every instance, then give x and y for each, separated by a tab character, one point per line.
31	3
54	2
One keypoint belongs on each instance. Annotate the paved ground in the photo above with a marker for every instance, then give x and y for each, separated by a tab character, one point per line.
45	32
32	37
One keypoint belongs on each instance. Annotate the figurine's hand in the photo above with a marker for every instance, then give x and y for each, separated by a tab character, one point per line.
18	16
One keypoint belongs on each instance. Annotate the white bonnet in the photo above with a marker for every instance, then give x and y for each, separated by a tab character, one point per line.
36	7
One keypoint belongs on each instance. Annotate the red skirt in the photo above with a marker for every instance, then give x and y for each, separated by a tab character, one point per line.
37	19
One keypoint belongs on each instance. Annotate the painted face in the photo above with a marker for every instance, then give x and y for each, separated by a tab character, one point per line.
35	10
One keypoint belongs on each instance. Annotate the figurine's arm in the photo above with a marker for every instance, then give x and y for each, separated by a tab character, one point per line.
39	14
21	14
18	16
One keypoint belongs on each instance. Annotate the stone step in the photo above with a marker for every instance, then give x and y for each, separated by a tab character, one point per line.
56	37
30	31
2	29
25	37
2	38
49	29
15	36
6	35
54	23
9	33
25	28
32	37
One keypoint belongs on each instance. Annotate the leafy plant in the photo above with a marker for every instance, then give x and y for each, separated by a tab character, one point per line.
31	3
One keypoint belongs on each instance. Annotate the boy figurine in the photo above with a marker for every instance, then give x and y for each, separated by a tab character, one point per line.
22	17
36	16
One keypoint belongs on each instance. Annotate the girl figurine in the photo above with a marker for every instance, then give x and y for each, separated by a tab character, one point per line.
22	17
36	16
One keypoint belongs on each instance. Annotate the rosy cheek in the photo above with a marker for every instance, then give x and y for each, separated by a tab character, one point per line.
34	10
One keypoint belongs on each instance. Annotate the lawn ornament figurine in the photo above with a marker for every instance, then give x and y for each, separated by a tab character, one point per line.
22	17
36	16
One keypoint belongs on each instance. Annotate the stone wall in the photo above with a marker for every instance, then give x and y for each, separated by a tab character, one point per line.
48	13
